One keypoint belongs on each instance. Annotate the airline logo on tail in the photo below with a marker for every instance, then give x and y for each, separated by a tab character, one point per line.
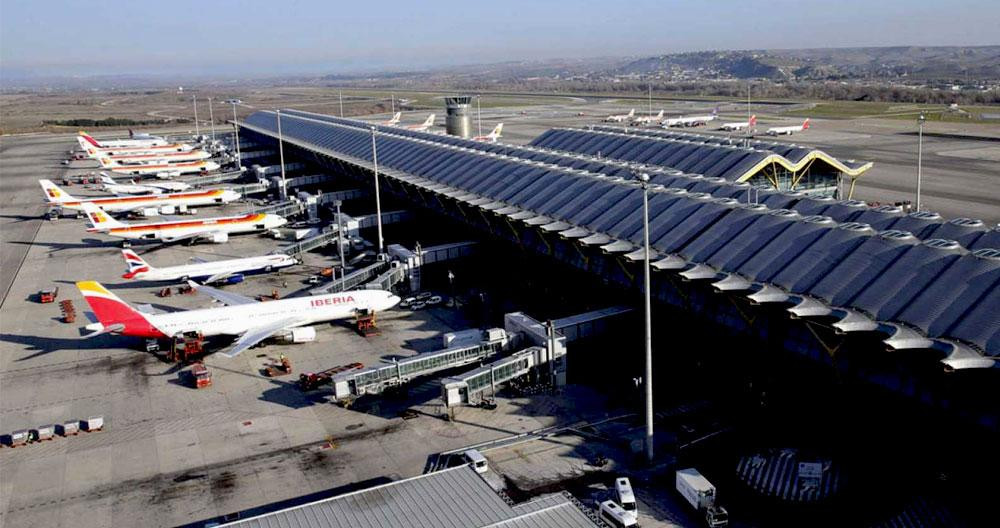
98	217
114	314
135	264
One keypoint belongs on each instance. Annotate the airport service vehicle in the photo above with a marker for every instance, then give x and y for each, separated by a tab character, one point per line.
395	119
124	204
215	230
690	121
170	169
625	496
646	120
700	494
248	320
203	271
110	185
477	460
788	130
614	515
620	118
142	140
492	137
740	125
422	127
124	160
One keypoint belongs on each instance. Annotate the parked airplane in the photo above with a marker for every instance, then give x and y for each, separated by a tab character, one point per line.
249	321
788	130
422	127
122	204
740	125
204	271
153	187
492	137
95	149
144	140
619	118
167	169
215	230
394	120
123	160
646	120
690	121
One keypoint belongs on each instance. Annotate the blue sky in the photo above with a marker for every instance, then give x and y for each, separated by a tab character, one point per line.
259	38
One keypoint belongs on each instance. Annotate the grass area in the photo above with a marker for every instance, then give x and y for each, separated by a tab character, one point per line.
863	110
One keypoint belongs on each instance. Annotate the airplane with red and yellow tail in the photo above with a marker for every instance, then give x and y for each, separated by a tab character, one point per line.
123	204
215	230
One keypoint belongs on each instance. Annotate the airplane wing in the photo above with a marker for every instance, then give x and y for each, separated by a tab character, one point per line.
255	335
217	277
229	298
189	236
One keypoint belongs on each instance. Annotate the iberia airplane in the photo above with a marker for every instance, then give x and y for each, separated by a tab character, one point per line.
95	149
123	204
184	167
133	141
493	136
124	160
248	320
216	230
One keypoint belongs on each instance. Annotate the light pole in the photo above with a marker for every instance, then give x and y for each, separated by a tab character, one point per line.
239	158
194	99
378	202
211	118
281	156
920	153
341	103
340	244
479	115
644	179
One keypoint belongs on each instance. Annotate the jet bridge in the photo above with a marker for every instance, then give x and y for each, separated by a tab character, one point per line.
466	387
374	380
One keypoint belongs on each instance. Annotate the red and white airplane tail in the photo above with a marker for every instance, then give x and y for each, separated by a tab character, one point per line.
99	220
135	264
753	121
86	137
54	194
114	314
805	124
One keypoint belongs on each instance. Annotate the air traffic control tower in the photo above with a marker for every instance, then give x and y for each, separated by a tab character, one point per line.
458	121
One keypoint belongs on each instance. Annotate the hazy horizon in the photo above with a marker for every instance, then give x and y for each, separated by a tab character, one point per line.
259	40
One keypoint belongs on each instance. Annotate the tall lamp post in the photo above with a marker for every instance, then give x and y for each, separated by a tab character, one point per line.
281	157
211	118
644	180
239	158
920	153
378	202
194	100
340	244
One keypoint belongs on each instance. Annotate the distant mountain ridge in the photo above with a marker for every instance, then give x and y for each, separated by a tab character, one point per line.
921	62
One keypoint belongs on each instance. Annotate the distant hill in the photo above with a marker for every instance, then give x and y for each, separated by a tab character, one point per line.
940	62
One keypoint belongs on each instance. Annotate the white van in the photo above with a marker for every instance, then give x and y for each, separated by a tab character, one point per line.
613	514
623	491
477	460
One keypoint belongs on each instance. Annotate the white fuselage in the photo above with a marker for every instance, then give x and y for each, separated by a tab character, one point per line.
688	121
186	167
234	320
131	143
734	126
154	158
782	131
209	269
132	203
184	228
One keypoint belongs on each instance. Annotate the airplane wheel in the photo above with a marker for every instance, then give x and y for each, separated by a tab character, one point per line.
268	269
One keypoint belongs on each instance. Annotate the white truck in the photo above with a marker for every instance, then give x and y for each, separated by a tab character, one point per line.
700	494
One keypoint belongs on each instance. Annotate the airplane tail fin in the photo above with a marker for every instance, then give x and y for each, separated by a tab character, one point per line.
54	194
99	219
135	264
89	139
113	313
660	115
429	121
106	163
107	180
496	131
805	124
631	113
753	120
